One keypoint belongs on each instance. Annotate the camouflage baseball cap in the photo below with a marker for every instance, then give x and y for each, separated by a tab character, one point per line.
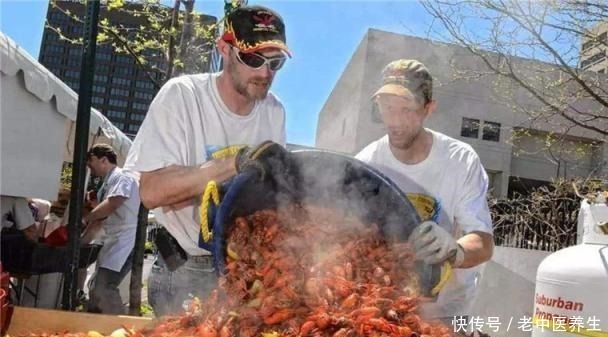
407	77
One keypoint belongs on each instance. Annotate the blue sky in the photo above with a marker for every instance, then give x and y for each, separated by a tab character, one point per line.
321	34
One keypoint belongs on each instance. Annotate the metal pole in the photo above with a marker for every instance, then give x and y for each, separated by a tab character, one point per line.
138	262
81	143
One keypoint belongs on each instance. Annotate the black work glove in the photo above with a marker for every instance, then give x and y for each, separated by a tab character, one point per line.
267	158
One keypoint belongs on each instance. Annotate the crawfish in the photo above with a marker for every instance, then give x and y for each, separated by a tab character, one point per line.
307	327
383	325
279	316
226	330
206	329
404	304
350	302
344	332
341	286
366	313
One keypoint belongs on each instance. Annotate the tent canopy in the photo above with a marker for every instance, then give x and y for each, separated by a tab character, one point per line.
37	125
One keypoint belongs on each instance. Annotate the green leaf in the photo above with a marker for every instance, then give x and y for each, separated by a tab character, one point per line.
115	4
102	37
178	63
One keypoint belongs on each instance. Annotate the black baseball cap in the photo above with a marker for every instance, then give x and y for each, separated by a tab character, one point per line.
252	28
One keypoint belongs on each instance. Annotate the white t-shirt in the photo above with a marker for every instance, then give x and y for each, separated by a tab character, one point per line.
187	122
19	210
449	187
120	227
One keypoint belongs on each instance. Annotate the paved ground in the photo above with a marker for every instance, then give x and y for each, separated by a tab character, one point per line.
124	286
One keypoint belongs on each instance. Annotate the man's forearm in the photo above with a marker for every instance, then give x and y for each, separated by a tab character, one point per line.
105	208
478	248
176	184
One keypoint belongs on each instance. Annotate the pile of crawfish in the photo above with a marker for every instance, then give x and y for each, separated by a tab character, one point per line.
308	271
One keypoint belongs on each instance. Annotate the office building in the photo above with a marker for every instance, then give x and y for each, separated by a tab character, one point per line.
122	90
512	149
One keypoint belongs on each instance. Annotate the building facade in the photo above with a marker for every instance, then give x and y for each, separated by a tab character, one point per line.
513	152
122	90
594	50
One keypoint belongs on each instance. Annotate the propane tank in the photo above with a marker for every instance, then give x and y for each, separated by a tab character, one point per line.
571	296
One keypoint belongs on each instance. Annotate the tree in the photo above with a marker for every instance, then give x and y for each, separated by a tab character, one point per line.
532	49
543	218
164	42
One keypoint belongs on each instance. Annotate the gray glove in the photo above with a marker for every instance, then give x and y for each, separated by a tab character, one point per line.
433	244
265	158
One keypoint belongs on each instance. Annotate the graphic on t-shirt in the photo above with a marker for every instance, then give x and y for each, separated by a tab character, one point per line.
426	206
221	151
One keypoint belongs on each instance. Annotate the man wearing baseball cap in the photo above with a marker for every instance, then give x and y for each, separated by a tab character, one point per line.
444	179
177	149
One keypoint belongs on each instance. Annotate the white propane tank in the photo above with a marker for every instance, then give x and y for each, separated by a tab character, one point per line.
571	296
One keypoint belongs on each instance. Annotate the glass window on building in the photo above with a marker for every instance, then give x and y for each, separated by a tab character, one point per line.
491	131
140	106
54	49
120	81
118	103
102	68
99	89
101	78
75	51
52	59
593	59
469	128
101	55
73	84
51	36
72	74
138	117
144	95
119	92
97	100
73	62
124	59
56	71
144	84
133	127
123	71
78	29
117	114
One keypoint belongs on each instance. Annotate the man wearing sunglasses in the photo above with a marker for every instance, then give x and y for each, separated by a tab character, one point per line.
194	128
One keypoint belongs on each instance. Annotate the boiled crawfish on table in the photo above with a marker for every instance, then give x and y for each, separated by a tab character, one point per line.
308	271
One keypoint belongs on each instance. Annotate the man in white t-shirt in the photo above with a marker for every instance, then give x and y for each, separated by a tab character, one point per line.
194	127
115	217
444	179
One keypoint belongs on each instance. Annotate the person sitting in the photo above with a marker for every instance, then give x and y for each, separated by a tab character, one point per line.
16	213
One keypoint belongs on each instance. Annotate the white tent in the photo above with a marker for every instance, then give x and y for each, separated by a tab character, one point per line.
37	125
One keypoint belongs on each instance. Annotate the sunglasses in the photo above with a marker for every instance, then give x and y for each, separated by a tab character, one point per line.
257	61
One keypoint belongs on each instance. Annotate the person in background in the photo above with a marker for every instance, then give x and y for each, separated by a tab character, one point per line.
17	213
115	216
443	178
41	210
194	128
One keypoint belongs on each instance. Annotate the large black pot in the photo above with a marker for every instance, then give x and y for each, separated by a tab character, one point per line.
327	179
